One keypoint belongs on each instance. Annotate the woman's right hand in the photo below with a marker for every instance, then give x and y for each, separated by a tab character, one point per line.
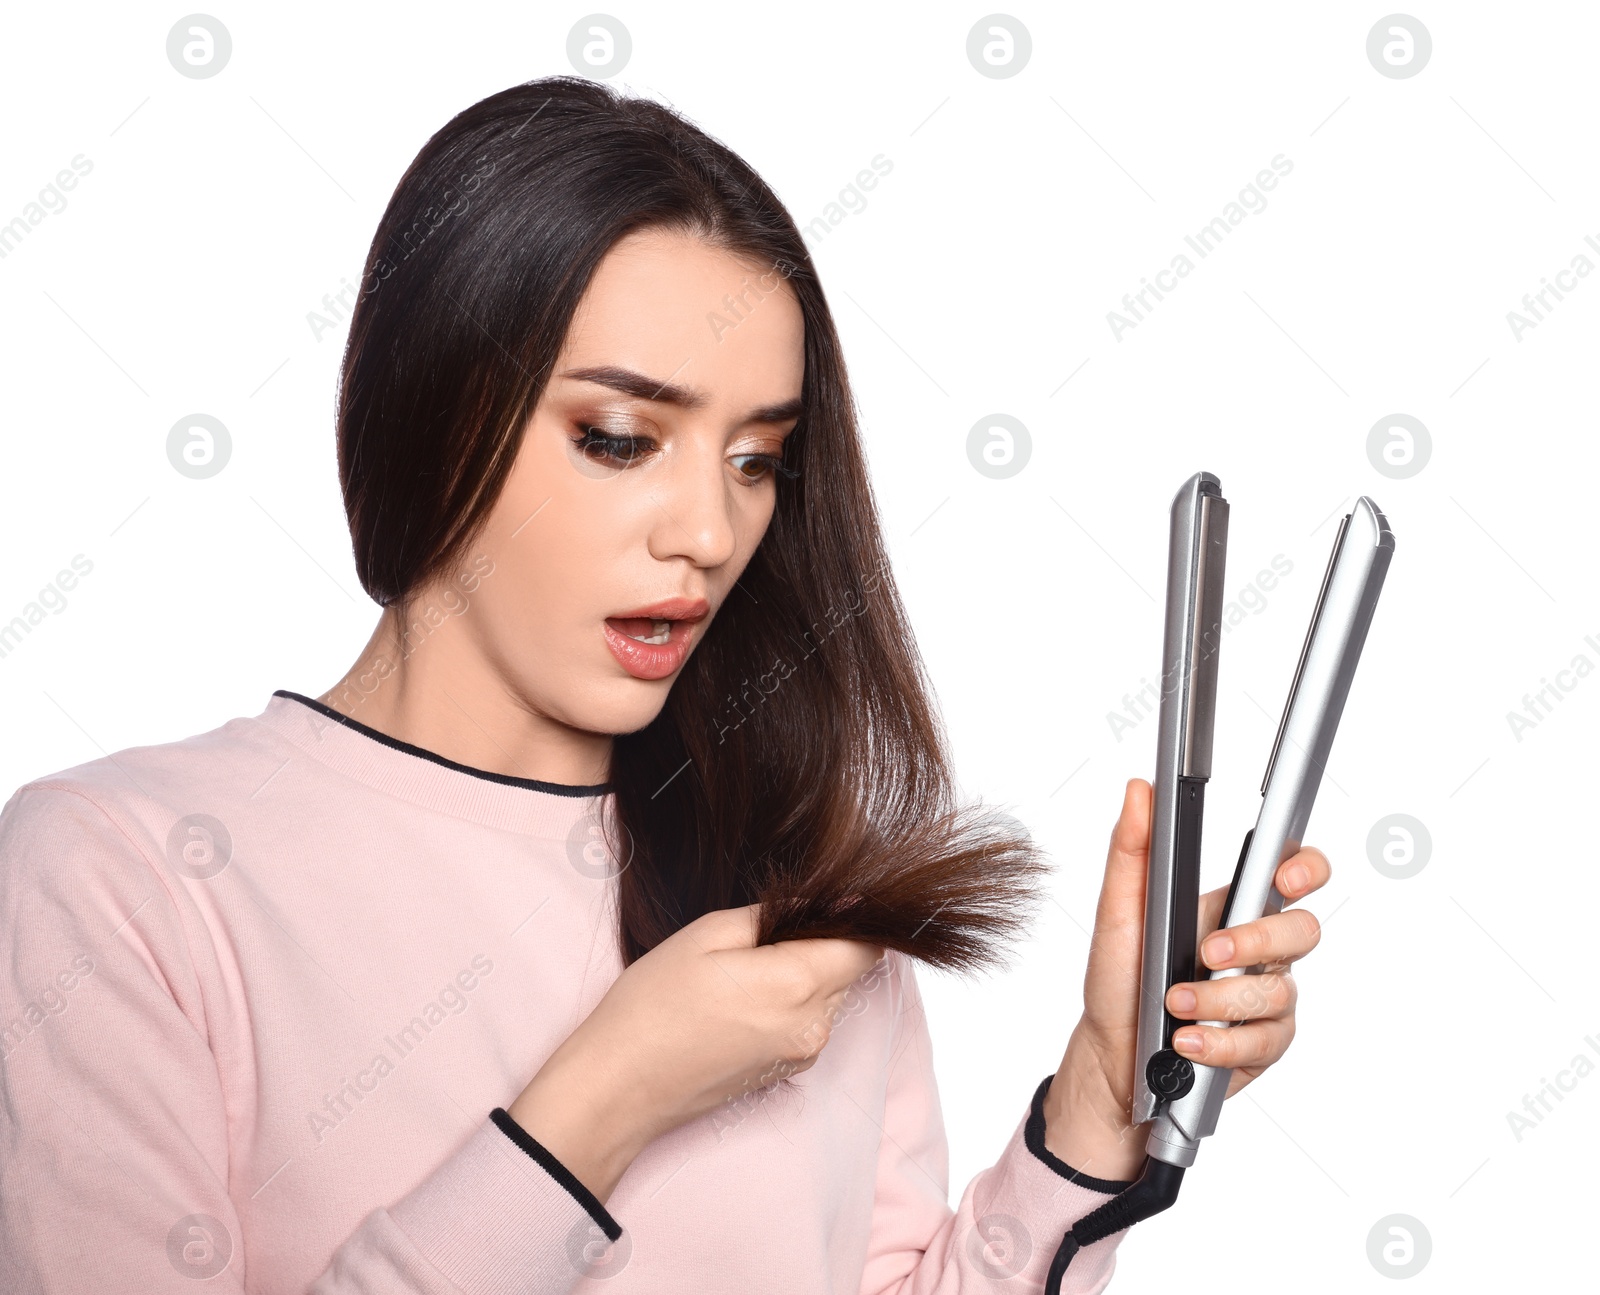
701	1018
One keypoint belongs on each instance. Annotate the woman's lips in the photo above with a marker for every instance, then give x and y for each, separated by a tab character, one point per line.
654	642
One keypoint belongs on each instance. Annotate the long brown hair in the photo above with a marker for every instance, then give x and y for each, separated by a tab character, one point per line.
798	761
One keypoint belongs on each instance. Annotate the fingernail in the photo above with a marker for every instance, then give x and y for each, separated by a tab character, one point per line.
1187	1041
1298	876
1182	1000
1218	949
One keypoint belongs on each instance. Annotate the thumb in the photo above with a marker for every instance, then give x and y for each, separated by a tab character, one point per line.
727	928
1122	892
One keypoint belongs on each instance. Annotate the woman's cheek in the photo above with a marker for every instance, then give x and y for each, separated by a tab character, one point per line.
754	519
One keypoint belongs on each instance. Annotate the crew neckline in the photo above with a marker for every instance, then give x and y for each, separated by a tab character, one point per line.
308	730
505	779
424	754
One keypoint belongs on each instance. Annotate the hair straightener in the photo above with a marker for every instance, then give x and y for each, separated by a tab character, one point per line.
1181	1097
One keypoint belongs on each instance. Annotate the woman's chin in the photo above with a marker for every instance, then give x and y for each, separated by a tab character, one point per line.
621	706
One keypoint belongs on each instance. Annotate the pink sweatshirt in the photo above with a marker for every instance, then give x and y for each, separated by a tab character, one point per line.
264	996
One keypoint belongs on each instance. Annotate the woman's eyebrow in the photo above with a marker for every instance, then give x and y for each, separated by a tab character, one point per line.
782	412
646	388
636	384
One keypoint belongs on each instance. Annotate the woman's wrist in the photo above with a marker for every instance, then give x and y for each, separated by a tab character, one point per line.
573	1115
1086	1122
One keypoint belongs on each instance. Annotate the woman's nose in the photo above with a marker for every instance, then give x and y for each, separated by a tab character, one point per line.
696	519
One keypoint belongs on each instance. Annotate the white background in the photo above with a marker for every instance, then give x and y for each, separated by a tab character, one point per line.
976	280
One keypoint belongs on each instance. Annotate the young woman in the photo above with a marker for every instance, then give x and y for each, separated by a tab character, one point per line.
569	937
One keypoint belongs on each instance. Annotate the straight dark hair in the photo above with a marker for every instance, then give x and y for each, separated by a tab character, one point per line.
798	761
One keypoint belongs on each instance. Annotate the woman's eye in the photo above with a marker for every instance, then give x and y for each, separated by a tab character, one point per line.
606	447
758	467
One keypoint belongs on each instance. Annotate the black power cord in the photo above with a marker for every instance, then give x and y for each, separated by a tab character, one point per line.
1153	1191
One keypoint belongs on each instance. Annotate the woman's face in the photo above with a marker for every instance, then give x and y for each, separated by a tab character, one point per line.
644	481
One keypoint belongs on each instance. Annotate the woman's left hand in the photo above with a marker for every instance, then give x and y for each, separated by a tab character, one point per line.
1087	1107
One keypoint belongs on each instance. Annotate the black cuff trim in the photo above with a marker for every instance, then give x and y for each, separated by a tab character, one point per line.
1033	1135
558	1171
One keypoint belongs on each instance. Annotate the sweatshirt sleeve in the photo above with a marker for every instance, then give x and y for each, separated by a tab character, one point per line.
1012	1215
114	1155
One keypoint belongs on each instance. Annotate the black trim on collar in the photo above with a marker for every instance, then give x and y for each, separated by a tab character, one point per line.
532	784
558	1171
1033	1135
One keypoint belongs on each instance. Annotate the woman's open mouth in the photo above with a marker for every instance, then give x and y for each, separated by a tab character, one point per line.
643	628
653	642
